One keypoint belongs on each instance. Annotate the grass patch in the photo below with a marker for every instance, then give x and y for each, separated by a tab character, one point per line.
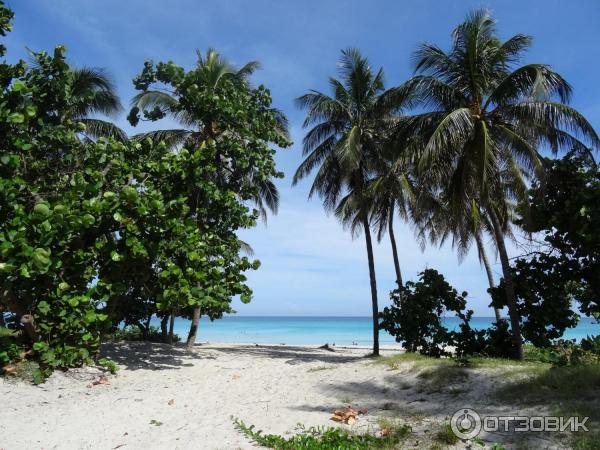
394	428
556	383
445	435
416	360
567	391
441	378
411	360
586	441
485	362
325	438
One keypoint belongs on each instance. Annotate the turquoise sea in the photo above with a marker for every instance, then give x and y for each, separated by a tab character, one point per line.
320	330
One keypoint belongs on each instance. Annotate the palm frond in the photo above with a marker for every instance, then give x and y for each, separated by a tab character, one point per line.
151	99
529	81
552	115
96	128
96	89
450	134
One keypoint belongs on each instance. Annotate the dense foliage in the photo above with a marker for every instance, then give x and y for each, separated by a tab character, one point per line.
97	232
416	319
228	162
10	346
564	270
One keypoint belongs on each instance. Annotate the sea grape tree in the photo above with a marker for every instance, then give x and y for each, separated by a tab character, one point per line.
225	165
562	210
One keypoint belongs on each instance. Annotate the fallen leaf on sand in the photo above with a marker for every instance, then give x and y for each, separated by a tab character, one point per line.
235	376
171	402
101	380
10	369
347	415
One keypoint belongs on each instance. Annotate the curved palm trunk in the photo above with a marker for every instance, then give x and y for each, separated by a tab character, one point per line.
394	249
488	270
191	340
511	299
373	286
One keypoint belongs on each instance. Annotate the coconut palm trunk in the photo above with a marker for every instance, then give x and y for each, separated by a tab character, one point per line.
373	281
511	299
488	270
191	340
394	249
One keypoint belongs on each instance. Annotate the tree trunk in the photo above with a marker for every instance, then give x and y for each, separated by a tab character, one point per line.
509	286
171	328
488	270
373	286
394	249
163	328
191	340
147	325
21	315
2	322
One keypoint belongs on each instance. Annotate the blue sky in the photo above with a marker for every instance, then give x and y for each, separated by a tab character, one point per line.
310	265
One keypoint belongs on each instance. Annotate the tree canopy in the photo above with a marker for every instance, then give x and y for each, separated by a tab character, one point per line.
97	232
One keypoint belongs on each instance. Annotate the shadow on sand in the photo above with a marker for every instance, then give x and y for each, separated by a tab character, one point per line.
150	356
293	355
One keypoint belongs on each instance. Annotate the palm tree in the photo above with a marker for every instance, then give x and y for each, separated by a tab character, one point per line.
94	92
486	124
392	193
345	140
436	221
212	70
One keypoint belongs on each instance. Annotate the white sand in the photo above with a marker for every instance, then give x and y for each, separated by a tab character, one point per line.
164	397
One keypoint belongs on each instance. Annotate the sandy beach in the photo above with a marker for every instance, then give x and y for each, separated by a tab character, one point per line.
164	397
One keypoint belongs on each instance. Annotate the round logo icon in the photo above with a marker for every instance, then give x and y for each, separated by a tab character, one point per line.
465	423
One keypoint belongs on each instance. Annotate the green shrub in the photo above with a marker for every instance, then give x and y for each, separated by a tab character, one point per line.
415	320
324	438
10	346
133	333
108	364
591	344
415	316
569	353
